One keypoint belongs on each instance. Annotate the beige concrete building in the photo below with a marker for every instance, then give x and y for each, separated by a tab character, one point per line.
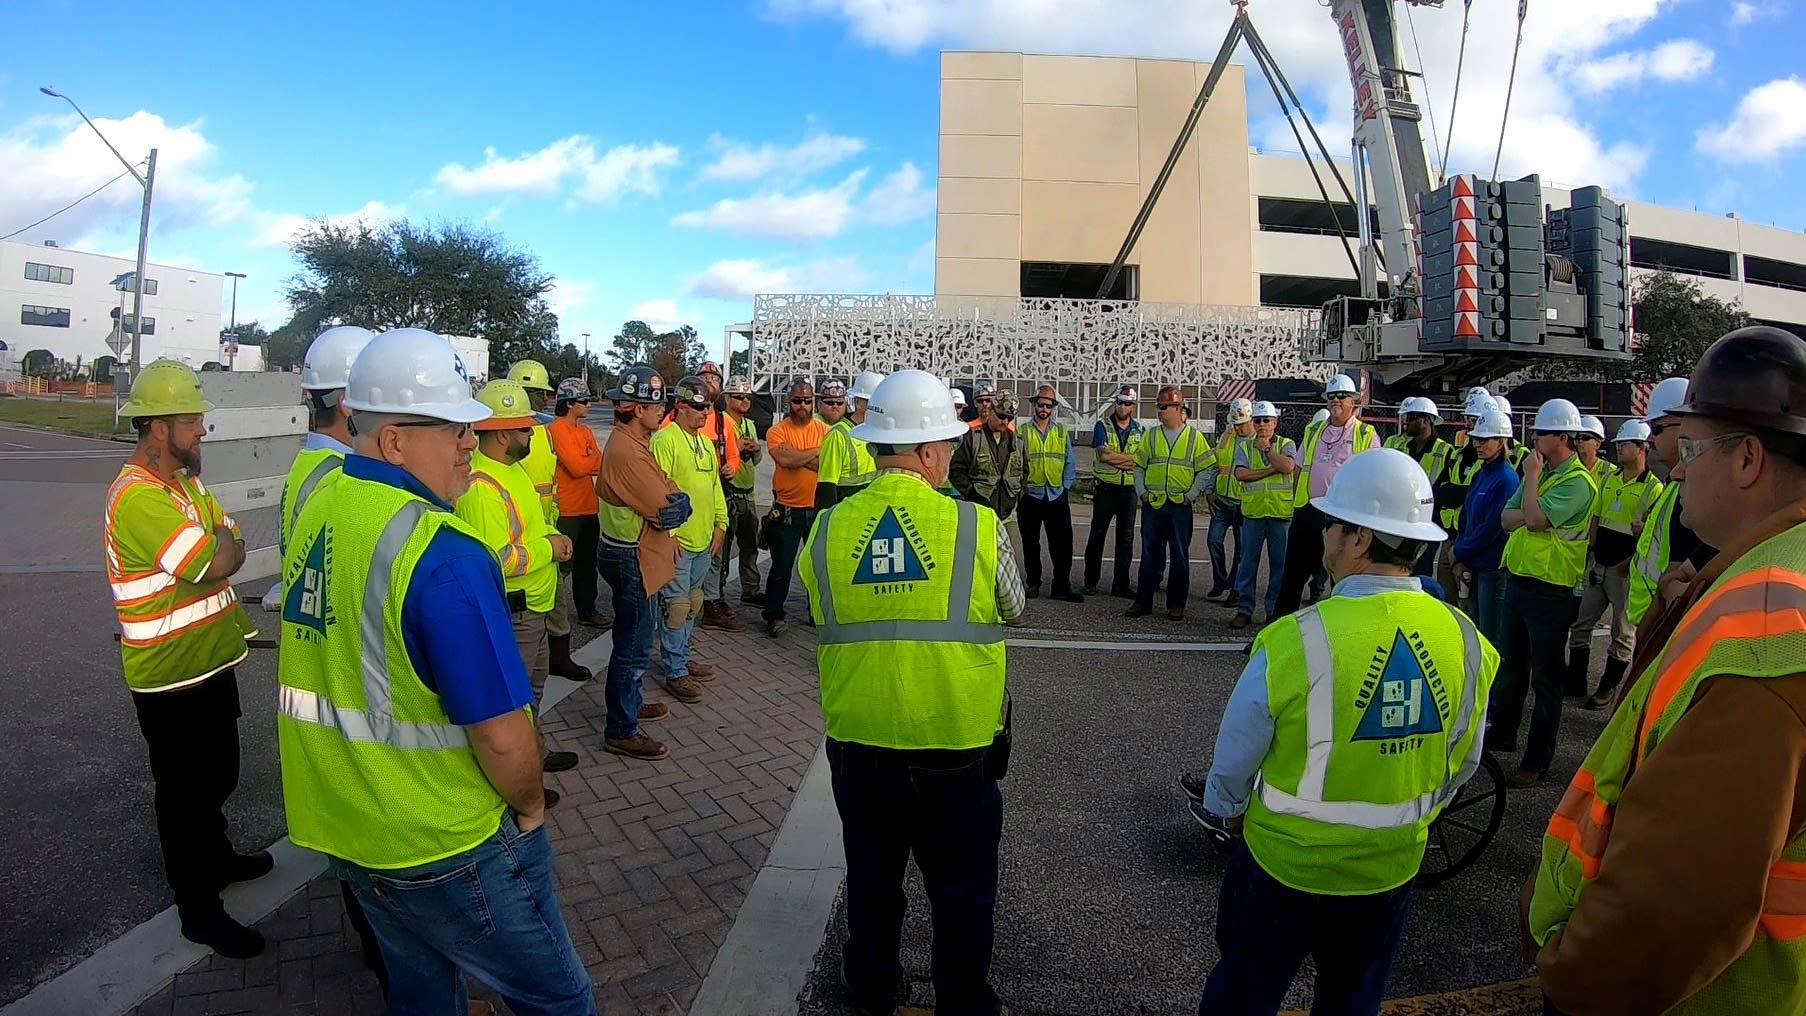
1045	159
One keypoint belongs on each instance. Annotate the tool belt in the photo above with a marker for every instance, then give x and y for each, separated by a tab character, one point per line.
997	760
779	515
517	601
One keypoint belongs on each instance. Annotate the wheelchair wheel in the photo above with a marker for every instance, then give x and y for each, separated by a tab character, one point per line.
1461	833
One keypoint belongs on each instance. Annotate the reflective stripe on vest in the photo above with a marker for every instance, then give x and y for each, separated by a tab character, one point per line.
1365	437
1046	455
513	554
1269	498
1227	486
1621	502
377	722
1176	462
1121	442
957	627
305	489
541	463
1557	555
1653	550
1433	461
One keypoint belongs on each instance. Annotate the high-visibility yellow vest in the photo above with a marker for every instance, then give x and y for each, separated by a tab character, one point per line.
1654	547
1227	486
174	628
1602	471
311	468
1169	467
503	509
747	472
1557	555
1434	459
1461	473
541	465
1046	455
1748	624
845	461
1270	498
1516	454
1122	442
1365	437
1378	704
902	586
1621	501
373	771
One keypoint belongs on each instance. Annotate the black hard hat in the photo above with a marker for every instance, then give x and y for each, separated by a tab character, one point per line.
1752	376
692	391
639	383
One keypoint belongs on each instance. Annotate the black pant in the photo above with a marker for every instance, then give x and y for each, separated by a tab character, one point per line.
943	807
1056	516
1111	502
192	737
366	937
786	538
584	531
1304	556
1165	546
1537	618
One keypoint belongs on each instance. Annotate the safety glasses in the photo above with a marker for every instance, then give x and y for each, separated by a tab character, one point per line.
1693	447
458	430
800	400
1043	404
1172	405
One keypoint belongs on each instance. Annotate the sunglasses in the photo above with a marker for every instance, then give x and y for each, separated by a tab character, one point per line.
1657	428
833	402
1693	447
459	430
803	401
738	395
1336	396
1043	404
1172	405
1591	437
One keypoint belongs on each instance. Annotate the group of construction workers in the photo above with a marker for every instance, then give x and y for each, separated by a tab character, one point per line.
420	569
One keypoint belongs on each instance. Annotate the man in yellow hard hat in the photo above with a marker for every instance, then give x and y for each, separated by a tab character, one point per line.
541	464
504	510
171	551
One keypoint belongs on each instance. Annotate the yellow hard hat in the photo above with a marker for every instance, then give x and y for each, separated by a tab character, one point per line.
508	402
166	388
531	374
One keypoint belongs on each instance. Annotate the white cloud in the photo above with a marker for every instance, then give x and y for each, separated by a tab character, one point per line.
566	295
1304	40
49	161
814	153
808	215
279	230
662	315
899	197
1770	120
1744	13
743	279
571	160
1677	60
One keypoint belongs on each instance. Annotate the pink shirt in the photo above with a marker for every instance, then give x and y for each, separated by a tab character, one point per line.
1333	448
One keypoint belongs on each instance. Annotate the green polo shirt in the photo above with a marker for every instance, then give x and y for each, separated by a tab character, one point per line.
1566	505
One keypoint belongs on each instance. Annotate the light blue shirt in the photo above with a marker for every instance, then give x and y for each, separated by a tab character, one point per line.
1247	729
318	442
1072	469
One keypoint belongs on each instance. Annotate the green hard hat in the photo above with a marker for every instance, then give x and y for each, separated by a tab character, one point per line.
508	402
166	388
531	374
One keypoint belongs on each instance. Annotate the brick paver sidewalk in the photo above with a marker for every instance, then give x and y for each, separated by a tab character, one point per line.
653	859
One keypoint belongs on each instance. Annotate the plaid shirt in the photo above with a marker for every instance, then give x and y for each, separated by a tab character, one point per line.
1011	600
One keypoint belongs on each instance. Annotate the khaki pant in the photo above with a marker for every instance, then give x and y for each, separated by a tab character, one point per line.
530	639
558	621
1605	587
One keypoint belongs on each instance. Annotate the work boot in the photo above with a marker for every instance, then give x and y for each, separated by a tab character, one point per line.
1137	610
558	761
551	797
561	662
1090	589
638	746
595	620
754	598
1194	784
1608	683
1120	592
216	930
1242	619
1574	679
245	867
1524	779
1175	613
1070	597
684	690
776	629
701	671
718	615
1034	591
650	711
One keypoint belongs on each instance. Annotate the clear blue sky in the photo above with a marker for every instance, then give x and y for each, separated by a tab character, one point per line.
670	158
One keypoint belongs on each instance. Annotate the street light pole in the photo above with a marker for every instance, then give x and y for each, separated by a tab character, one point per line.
585	359
232	355
147	180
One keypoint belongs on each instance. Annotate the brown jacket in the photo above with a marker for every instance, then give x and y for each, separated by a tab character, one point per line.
1682	880
630	478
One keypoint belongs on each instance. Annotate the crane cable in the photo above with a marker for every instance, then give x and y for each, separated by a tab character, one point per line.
1429	102
1510	83
1448	147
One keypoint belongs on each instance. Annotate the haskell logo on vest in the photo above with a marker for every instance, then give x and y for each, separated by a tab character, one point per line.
304	599
1402	696
891	553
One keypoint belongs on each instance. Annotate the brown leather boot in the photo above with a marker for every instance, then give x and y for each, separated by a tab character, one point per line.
718	615
700	671
638	746
684	689
561	662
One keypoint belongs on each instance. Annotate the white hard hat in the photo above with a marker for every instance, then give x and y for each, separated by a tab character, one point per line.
1557	416
1319	416
1502	404
327	365
1264	411
1593	425
1419	404
414	372
1666	397
1240	411
1479	403
959	395
1632	430
1341	384
1493	424
1384	490
865	384
910	407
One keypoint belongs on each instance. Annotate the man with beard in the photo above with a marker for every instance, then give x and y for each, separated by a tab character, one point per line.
795	446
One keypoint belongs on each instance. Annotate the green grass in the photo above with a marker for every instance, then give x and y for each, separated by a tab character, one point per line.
76	416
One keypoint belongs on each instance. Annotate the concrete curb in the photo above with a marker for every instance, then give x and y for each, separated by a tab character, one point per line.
762	967
140	962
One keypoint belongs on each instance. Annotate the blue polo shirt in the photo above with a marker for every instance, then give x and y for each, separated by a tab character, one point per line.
1481	541
455	622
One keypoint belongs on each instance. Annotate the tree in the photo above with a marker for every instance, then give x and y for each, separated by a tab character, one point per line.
1675	322
673	354
635	343
249	333
284	347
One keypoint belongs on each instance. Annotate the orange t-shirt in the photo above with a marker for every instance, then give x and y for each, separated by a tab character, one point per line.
795	487
579	460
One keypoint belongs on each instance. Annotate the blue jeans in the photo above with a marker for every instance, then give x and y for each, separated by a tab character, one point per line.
1255	532
1224	520
632	652
693	569
1265	929
1165	544
1489	604
786	539
491	911
1532	660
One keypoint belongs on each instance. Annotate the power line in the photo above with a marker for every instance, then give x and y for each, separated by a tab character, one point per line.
68	206
1510	83
1429	101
